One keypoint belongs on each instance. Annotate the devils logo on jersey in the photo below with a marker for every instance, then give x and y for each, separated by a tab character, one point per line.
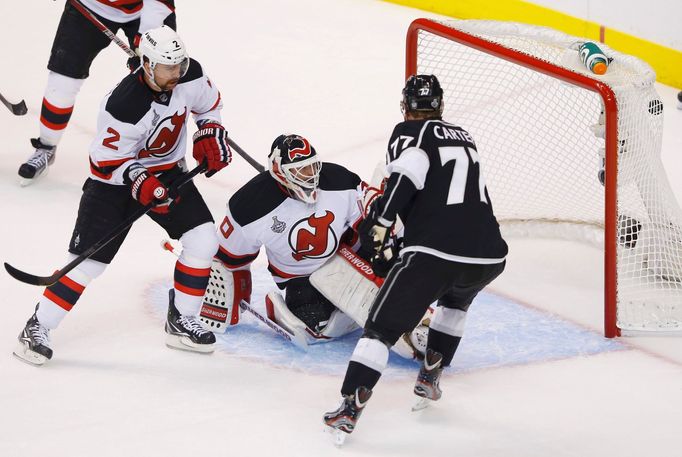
164	139
299	148
313	237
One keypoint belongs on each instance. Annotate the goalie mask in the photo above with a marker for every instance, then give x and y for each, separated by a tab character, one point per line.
165	52
422	93
293	162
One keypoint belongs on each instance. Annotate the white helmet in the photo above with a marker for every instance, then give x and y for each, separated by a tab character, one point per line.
293	162
163	45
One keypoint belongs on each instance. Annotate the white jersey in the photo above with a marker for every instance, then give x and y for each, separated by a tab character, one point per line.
298	237
136	124
150	12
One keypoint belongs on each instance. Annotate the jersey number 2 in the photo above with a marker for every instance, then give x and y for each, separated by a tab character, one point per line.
461	171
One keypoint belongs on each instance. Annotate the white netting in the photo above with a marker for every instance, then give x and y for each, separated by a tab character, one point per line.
536	137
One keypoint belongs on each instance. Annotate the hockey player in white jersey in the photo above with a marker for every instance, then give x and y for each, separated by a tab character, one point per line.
302	211
299	211
137	154
76	44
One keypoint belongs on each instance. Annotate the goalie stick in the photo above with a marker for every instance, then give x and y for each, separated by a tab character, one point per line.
297	341
29	278
121	44
18	109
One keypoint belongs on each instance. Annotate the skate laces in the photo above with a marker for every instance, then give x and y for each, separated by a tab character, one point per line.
192	324
39	333
40	158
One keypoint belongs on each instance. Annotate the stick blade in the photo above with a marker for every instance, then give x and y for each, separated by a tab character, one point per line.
29	278
20	108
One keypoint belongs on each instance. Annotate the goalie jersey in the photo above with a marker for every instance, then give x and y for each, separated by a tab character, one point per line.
298	237
152	129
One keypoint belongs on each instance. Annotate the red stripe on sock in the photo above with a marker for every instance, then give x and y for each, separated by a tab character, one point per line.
189	290
52	126
192	271
57	301
57	110
71	284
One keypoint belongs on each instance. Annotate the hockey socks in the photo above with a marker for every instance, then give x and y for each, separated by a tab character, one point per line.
368	361
59	99
59	298
445	332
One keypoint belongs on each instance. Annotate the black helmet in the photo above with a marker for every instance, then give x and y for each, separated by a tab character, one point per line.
423	93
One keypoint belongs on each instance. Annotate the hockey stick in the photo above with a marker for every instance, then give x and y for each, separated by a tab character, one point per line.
121	44
18	109
116	231
105	30
259	168
298	342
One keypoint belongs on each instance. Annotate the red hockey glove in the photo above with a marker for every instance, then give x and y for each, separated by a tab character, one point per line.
146	188
210	143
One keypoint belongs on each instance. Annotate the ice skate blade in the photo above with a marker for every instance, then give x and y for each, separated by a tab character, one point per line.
338	436
23	353
23	182
421	404
183	343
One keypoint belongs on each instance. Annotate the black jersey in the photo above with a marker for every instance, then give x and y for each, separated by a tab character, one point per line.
450	215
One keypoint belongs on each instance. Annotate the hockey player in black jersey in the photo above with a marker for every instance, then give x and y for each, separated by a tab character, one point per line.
76	44
452	247
136	156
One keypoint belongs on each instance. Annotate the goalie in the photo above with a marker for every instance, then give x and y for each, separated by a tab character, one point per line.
302	211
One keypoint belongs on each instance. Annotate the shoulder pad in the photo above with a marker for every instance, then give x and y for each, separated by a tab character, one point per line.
193	72
258	197
337	177
130	100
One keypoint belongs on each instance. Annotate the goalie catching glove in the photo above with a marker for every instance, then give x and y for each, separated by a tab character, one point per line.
147	189
210	143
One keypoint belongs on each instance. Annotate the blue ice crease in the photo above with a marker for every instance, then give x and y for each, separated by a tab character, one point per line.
499	332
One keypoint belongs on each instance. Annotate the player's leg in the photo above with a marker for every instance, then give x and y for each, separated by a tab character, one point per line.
102	206
397	309
189	221
75	45
448	321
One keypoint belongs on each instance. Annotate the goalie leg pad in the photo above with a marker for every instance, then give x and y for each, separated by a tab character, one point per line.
349	283
278	312
220	307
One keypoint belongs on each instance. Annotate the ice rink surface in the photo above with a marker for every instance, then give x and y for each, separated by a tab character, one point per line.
533	376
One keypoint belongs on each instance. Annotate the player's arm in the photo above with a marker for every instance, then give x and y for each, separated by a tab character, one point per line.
156	13
239	245
210	141
113	160
407	175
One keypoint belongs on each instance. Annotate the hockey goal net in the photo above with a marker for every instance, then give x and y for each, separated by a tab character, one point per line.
545	126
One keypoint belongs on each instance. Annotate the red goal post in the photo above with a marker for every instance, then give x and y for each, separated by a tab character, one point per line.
468	54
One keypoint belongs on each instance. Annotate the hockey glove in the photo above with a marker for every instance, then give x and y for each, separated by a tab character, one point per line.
134	63
146	188
210	143
374	242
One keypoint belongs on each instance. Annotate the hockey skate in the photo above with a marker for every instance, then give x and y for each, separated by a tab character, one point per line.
342	421
186	332
34	343
426	386
39	162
